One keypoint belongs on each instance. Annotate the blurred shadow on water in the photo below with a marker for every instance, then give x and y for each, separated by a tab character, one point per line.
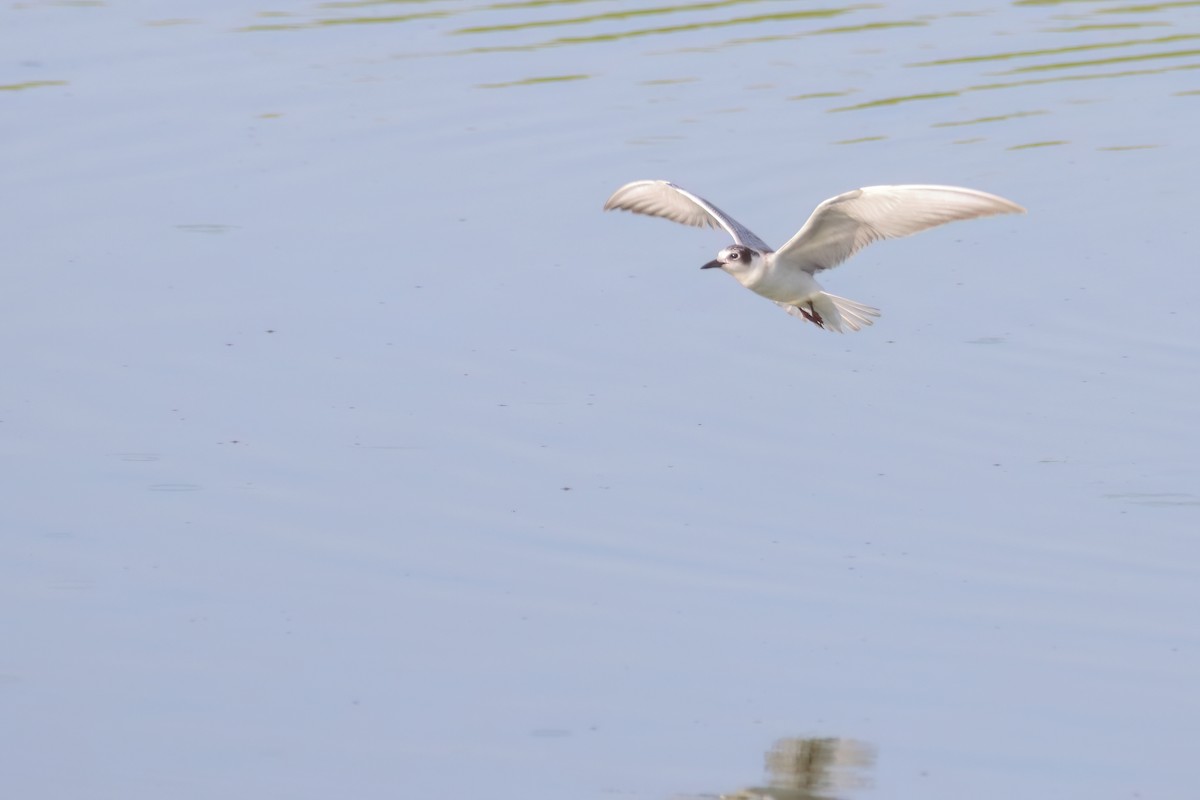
814	768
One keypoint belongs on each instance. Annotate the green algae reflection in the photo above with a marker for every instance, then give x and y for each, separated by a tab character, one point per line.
534	81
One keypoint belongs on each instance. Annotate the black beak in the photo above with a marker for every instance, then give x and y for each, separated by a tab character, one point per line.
714	264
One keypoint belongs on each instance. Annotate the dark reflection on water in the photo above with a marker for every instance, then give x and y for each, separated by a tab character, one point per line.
814	768
1058	65
1084	42
636	13
505	30
18	87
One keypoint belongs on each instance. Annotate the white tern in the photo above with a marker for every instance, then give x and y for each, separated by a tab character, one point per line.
837	229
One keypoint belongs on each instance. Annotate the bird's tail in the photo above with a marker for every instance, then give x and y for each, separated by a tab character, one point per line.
834	313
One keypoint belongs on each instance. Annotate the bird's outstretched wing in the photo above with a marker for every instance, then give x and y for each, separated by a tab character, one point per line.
843	225
665	199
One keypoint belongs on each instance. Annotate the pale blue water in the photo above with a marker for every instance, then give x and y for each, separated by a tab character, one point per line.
350	450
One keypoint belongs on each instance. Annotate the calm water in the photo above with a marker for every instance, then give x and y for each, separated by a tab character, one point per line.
351	451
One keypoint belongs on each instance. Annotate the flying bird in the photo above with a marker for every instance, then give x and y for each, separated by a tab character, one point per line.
837	229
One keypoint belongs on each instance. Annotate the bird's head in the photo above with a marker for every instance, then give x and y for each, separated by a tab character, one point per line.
737	259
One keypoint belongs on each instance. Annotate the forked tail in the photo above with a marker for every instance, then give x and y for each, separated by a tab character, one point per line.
833	313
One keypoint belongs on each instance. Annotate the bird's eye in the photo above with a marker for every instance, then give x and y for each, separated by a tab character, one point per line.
734	256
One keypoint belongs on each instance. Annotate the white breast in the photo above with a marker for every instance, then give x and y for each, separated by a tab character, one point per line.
787	285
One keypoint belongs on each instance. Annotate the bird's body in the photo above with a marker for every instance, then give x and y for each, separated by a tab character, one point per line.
837	229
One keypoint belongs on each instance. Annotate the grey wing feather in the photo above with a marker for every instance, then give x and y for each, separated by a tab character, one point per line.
665	199
843	225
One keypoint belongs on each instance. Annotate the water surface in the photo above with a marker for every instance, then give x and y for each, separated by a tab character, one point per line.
351	450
